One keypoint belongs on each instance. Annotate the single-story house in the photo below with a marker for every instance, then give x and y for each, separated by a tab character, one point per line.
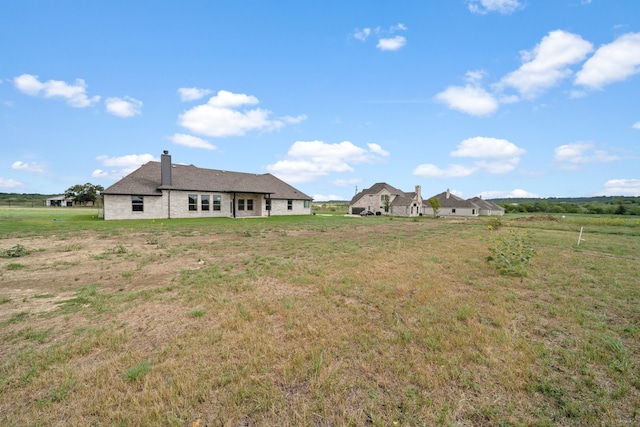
487	207
452	205
58	201
384	198
159	190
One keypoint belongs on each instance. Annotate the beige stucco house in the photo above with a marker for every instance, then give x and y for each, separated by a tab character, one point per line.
159	190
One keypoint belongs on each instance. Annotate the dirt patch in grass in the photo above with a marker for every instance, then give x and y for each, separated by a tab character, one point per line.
363	321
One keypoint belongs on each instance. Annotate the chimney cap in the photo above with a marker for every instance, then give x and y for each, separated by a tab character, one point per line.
165	152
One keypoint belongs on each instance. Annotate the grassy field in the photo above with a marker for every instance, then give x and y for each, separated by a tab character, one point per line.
317	320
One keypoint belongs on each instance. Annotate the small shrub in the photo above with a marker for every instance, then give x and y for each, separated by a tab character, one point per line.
16	251
119	249
510	253
494	223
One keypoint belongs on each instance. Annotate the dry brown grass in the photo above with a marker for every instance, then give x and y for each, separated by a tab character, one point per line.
343	321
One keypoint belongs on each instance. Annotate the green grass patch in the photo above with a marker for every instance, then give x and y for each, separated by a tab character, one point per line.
323	320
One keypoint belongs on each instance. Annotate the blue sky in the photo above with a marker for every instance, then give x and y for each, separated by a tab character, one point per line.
499	98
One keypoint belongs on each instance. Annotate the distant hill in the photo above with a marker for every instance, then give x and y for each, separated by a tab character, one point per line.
597	199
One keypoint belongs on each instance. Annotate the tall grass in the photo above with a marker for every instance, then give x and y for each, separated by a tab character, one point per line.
326	321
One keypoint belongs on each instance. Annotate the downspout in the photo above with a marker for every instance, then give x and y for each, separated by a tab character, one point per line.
234	204
269	205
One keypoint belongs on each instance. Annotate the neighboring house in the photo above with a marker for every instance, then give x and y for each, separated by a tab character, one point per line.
58	201
160	190
384	198
452	205
487	207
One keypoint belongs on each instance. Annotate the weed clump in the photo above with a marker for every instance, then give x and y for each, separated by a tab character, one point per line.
16	251
510	253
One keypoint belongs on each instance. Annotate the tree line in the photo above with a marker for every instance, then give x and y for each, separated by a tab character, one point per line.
613	206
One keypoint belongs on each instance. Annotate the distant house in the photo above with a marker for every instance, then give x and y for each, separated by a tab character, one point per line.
452	205
58	201
385	199
160	190
487	207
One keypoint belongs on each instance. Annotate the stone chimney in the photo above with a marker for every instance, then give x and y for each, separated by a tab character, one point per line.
418	191
448	194
165	169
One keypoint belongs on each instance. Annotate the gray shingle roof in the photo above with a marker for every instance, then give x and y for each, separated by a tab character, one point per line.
453	201
146	181
486	204
375	189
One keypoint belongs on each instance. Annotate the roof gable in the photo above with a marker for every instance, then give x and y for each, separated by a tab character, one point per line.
377	188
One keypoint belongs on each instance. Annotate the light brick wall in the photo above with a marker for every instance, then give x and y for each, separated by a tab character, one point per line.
371	202
280	207
175	204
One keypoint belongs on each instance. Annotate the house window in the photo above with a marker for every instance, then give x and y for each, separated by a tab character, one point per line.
216	202
384	198
453	210
193	202
306	203
249	204
240	204
204	202
137	203
268	204
289	205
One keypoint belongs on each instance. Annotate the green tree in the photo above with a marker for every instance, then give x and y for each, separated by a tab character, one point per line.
435	205
620	210
84	193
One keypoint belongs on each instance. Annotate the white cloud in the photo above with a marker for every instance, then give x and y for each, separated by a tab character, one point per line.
191	141
392	43
123	107
483	147
28	167
452	171
612	62
547	64
497	156
578	153
387	38
636	125
485	6
363	34
192	93
516	193
622	187
75	94
377	149
308	160
10	184
221	116
469	99
121	166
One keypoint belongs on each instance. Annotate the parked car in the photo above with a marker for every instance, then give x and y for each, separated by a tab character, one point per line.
366	213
